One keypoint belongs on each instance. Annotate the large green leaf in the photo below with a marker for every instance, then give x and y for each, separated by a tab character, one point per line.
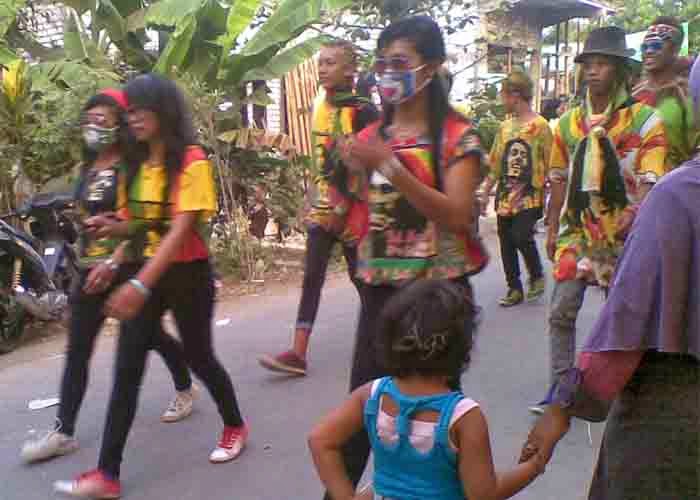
213	18
72	74
204	60
236	66
128	7
334	5
283	24
109	18
172	12
6	55
286	61
74	43
178	46
8	13
239	17
290	18
75	46
81	6
136	21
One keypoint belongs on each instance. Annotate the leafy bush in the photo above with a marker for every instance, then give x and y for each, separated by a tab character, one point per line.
487	113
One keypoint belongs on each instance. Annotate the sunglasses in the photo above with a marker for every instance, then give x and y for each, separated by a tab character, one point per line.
397	63
98	119
652	46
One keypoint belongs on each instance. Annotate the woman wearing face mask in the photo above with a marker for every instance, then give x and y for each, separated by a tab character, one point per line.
424	165
169	197
101	256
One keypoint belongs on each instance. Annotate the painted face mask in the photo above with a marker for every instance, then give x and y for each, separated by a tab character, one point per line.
98	138
396	87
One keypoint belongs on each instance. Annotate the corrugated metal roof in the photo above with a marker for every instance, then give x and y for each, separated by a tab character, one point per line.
551	12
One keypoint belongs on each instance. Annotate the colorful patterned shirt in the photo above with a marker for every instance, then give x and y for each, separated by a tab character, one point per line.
675	107
403	244
149	209
589	223
519	162
96	194
334	199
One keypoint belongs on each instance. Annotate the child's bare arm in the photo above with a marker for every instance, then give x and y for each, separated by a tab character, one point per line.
476	469
327	439
475	461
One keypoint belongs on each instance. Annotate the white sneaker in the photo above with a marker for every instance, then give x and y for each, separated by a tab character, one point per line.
536	409
52	444
233	441
180	407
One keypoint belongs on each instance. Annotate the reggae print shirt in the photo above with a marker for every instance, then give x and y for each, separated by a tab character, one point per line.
675	107
588	233
97	195
400	242
519	162
334	199
152	202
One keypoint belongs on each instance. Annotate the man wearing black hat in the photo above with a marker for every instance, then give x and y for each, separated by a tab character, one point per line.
607	154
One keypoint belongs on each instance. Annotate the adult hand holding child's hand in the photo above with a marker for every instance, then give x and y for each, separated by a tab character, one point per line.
546	433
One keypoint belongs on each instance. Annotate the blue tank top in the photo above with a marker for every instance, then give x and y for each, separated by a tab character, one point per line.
400	471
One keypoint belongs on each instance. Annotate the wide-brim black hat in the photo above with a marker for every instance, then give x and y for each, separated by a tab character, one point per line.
609	41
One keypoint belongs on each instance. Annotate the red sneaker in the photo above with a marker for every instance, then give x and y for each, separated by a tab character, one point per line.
231	445
287	362
93	484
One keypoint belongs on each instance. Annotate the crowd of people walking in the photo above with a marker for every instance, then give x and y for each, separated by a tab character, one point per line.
401	191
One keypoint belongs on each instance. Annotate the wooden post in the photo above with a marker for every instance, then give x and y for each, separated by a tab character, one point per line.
567	85
536	69
509	66
557	47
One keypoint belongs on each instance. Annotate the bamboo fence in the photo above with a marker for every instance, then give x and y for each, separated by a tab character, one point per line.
300	89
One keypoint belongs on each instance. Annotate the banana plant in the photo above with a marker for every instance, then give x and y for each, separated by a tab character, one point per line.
197	29
9	10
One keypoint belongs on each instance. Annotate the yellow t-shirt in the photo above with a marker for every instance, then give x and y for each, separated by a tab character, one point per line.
151	204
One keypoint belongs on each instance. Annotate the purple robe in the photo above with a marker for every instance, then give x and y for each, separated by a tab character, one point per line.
654	301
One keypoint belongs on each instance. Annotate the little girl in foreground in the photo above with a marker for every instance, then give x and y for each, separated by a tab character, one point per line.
428	442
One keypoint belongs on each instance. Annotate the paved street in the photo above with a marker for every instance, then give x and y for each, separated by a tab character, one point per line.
163	461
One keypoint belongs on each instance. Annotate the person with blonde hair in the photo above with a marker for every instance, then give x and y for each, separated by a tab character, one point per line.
519	164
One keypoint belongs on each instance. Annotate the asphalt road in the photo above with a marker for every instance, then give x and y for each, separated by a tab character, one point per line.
169	461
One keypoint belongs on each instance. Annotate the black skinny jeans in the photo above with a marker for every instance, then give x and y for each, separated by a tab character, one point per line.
515	234
319	246
187	289
86	320
367	366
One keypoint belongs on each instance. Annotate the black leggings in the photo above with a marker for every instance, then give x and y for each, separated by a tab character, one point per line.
187	289
86	320
319	245
367	366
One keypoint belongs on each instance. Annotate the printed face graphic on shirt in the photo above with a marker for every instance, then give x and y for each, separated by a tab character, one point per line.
102	182
518	159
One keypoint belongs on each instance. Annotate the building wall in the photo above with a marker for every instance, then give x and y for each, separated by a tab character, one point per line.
47	24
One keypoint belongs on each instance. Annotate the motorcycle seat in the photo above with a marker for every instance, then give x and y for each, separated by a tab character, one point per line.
57	201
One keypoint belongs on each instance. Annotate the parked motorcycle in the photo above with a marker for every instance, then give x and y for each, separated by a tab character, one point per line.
37	269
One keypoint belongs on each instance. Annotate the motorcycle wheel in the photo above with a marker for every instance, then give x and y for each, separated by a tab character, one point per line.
12	322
